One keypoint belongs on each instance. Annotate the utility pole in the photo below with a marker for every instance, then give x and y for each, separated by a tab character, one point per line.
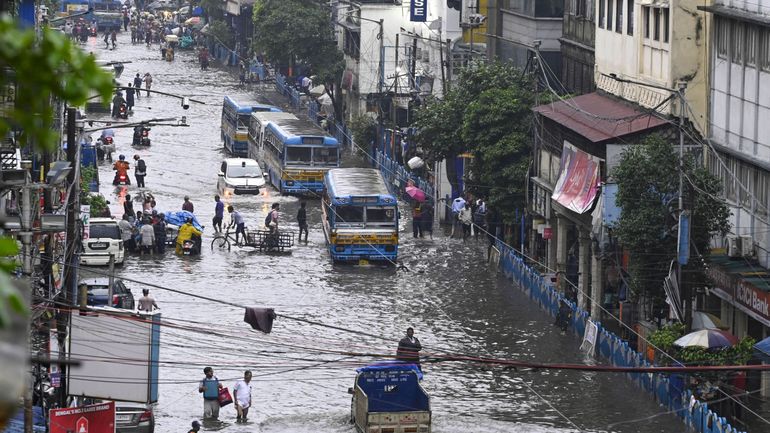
686	295
380	84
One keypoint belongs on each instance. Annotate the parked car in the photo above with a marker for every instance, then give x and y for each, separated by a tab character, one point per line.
134	417
240	176
98	293
103	240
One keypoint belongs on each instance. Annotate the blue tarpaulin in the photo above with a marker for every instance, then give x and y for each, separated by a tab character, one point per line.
392	387
180	217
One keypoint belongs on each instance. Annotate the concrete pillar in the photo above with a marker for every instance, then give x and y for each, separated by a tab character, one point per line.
561	250
584	281
597	286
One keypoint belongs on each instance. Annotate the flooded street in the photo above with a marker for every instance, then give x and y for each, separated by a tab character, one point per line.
453	301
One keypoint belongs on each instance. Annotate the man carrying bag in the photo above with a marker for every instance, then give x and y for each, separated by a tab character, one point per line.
210	387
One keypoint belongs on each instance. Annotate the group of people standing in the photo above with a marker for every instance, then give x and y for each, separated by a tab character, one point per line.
143	232
470	215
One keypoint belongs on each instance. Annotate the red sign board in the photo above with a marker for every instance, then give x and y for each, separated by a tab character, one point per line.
547	233
754	299
96	418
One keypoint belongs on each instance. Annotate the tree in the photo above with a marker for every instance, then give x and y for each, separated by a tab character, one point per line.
292	32
487	113
40	67
648	187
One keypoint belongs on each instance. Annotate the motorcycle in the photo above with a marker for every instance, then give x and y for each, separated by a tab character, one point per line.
123	111
121	179
191	247
104	147
93	31
141	136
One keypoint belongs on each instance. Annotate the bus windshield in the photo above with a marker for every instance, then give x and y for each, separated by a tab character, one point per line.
371	216
243	121
298	155
324	156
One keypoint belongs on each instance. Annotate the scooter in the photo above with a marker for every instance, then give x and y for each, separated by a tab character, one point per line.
121	179
188	248
123	111
141	136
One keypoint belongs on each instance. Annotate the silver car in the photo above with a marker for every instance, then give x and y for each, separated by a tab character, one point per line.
134	417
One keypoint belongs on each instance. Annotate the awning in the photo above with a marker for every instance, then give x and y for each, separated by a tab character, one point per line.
578	183
739	14
599	118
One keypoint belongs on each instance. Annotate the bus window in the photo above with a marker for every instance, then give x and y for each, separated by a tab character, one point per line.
380	215
243	120
295	155
350	214
323	156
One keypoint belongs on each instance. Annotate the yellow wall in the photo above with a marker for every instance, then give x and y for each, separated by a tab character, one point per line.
480	31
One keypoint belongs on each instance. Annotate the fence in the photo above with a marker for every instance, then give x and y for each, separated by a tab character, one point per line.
668	391
288	90
398	175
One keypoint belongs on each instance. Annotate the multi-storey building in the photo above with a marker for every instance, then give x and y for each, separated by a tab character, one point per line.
739	135
577	46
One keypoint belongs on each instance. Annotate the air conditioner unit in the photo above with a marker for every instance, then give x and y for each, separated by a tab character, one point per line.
747	246
734	247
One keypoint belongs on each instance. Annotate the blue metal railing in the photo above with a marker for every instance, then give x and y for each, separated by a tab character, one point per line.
668	391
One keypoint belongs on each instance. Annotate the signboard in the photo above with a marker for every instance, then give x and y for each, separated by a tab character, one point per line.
748	298
85	217
128	355
95	418
589	338
547	232
578	183
418	11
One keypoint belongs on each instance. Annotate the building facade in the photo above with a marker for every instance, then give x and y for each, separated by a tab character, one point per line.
739	135
577	47
639	40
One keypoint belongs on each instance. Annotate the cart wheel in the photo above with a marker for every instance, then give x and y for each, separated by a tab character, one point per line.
221	243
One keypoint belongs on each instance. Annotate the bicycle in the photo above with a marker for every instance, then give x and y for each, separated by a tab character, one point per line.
222	240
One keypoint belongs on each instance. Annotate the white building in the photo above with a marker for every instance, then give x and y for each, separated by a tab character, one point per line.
358	25
639	40
739	131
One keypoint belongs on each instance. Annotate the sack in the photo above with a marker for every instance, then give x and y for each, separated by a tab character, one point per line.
268	219
224	397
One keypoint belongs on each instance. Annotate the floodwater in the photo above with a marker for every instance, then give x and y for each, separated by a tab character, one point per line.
454	302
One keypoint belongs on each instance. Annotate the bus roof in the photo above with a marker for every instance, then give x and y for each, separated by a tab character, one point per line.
268	116
348	182
291	131
249	107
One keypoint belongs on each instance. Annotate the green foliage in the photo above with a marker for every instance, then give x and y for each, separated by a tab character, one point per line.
98	205
663	338
220	31
488	114
364	129
10	298
87	174
292	32
44	67
648	185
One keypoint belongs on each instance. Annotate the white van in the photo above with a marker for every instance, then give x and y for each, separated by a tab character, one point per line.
240	176
103	240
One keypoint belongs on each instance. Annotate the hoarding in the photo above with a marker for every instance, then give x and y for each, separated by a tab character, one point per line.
118	353
578	183
418	11
95	418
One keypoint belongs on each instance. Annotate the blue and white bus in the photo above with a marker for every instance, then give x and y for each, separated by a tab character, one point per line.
360	216
257	127
297	154
107	13
235	124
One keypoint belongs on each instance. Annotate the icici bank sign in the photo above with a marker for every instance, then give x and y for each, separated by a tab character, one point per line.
753	298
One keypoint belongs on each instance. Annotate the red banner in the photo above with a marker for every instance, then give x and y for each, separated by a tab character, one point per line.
96	418
578	182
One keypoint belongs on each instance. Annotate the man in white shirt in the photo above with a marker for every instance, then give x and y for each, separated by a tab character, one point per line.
242	396
147	302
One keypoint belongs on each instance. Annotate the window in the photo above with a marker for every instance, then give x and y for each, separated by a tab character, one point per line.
630	17
656	24
736	43
764	49
646	17
610	15
619	16
761	181
722	37
664	14
752	45
297	155
350	214
602	8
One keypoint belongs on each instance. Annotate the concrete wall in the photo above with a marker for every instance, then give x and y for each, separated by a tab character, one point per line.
754	6
526	29
644	59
